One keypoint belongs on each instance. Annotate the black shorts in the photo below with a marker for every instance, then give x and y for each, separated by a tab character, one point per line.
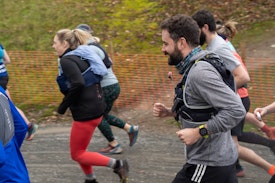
205	174
4	82
237	130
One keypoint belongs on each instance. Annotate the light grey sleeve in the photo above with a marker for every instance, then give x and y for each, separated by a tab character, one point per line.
230	61
207	87
221	48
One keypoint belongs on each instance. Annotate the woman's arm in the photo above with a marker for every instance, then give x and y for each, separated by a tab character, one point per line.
6	57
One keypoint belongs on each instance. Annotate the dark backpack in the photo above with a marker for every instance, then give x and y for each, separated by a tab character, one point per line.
205	114
107	61
227	76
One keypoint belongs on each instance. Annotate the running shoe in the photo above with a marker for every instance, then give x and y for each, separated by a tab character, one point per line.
133	135
31	131
90	181
122	169
240	173
111	150
239	170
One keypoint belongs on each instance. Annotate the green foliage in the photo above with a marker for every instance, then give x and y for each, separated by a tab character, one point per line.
130	25
123	26
257	32
34	24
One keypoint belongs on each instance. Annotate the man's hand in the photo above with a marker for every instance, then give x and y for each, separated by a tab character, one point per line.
160	110
189	136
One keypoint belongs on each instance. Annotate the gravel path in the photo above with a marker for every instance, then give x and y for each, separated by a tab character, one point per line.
156	157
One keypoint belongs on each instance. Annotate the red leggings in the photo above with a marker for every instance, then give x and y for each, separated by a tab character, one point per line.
81	134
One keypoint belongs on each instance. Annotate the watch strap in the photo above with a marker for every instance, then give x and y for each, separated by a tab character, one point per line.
202	127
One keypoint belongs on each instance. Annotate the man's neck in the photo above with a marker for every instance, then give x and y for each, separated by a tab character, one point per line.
186	52
210	37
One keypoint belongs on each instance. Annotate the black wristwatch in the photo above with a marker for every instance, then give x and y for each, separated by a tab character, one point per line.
203	131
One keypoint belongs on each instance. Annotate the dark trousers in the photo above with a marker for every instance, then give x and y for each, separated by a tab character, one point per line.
206	174
4	81
110	94
237	130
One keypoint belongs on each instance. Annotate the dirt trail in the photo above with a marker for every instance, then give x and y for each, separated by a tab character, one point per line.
156	158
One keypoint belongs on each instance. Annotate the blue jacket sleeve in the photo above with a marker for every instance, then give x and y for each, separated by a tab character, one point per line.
2	155
20	126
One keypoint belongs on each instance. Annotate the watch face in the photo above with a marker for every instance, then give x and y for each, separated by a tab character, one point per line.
203	131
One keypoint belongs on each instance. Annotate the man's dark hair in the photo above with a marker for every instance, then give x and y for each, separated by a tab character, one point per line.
203	17
182	26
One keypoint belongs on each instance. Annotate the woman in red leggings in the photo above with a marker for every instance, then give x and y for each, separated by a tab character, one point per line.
83	95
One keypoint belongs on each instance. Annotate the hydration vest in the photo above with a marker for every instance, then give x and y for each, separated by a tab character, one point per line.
88	75
200	113
107	61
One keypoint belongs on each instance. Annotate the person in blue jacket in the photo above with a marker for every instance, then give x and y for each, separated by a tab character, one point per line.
13	129
4	79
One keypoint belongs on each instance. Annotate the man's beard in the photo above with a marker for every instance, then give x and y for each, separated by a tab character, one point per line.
175	58
202	38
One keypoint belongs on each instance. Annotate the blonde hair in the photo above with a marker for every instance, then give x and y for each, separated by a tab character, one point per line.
74	37
228	29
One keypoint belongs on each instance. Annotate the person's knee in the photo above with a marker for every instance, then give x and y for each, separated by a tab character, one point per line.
76	155
245	152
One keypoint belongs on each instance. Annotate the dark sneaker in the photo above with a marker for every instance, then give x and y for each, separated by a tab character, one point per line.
239	169
90	181
240	173
31	131
111	150
122	169
133	135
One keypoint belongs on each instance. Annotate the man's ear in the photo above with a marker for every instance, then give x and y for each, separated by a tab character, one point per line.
205	27
182	43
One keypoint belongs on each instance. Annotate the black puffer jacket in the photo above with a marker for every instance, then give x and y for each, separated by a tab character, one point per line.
85	103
